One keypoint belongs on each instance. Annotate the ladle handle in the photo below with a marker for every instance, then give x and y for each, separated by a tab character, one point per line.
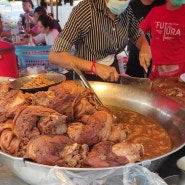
84	80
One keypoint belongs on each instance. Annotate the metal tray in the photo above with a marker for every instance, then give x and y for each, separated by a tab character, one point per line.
18	83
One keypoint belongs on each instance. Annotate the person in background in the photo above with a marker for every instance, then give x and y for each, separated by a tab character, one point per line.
35	3
43	3
167	27
4	36
59	2
40	10
140	8
1	26
47	29
99	30
27	6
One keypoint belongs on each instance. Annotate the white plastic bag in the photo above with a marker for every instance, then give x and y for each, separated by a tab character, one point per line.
130	174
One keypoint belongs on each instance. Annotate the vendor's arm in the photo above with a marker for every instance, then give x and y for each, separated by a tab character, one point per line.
137	36
146	28
64	59
144	53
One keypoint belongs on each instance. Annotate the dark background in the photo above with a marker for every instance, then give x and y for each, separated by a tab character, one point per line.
169	167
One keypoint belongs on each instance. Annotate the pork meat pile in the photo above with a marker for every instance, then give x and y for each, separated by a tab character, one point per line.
63	126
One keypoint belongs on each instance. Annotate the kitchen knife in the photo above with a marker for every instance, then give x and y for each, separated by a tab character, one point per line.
143	83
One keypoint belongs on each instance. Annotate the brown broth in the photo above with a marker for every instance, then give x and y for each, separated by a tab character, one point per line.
145	131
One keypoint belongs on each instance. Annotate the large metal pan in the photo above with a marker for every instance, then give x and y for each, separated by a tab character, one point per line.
161	109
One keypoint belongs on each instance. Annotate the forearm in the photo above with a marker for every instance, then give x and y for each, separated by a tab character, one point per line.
142	42
144	53
64	60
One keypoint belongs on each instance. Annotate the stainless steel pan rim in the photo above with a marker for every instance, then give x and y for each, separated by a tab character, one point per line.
24	162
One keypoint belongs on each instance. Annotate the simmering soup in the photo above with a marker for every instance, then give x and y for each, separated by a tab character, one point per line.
143	130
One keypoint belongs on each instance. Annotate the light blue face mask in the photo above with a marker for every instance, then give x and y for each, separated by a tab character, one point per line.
117	7
178	2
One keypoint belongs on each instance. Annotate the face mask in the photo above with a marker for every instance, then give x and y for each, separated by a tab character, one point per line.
117	7
178	2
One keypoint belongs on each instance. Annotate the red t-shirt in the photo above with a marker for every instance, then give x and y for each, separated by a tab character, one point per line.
167	29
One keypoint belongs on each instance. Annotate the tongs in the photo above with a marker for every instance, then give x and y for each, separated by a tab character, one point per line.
84	81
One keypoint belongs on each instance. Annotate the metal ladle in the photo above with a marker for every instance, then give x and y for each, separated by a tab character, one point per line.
84	81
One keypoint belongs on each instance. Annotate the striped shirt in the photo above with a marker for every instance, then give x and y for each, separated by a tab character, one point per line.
94	34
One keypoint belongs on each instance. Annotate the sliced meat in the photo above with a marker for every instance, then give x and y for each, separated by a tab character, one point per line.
108	154
132	152
46	149
12	101
43	98
74	130
118	133
32	121
97	129
101	155
9	143
65	93
74	154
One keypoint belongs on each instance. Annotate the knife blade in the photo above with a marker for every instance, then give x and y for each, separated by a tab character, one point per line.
143	83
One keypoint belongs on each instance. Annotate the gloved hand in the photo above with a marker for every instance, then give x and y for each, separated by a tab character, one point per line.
145	57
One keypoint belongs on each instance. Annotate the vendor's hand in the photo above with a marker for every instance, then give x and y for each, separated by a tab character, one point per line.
145	57
107	73
21	15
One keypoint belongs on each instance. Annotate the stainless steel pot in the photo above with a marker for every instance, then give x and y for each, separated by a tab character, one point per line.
161	109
